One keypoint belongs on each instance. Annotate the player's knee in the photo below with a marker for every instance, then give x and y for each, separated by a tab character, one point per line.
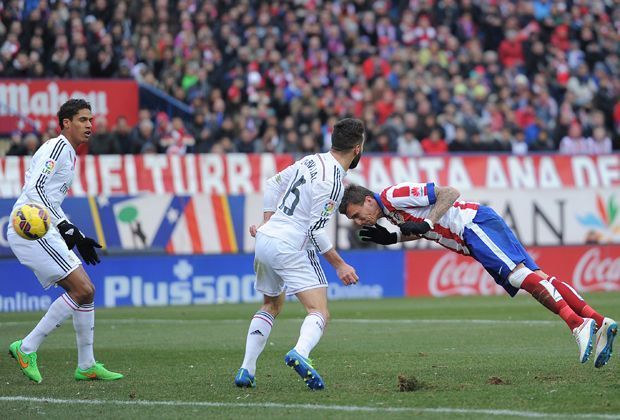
84	294
517	277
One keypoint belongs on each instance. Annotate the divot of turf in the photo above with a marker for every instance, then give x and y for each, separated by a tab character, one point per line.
496	380
409	384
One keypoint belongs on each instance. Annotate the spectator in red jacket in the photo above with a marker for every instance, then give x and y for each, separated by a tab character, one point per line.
511	50
434	144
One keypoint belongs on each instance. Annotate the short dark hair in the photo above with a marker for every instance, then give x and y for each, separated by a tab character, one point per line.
347	134
70	109
354	194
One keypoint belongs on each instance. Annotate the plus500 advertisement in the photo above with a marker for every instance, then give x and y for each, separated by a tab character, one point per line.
192	280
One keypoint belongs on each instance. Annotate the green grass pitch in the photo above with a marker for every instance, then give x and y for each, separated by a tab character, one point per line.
470	357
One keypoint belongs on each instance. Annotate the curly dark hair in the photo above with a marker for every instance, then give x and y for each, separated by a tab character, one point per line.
70	109
347	134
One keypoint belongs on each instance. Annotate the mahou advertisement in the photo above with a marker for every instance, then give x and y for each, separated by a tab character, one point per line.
443	273
28	103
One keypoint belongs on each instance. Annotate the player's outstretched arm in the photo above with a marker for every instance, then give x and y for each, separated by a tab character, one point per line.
345	272
446	196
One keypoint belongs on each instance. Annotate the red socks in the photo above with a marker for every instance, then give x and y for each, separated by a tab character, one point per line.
543	292
576	302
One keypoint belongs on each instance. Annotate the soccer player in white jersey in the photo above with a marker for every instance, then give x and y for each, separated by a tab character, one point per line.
424	210
54	263
298	203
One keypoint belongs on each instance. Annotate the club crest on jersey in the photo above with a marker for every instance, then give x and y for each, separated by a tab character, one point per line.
48	167
328	208
418	191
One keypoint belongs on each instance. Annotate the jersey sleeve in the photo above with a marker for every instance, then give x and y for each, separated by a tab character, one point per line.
38	186
409	194
275	186
325	199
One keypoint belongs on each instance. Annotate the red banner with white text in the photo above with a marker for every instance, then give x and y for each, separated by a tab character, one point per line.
444	273
24	103
243	174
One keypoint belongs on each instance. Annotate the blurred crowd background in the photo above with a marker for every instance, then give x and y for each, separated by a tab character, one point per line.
426	76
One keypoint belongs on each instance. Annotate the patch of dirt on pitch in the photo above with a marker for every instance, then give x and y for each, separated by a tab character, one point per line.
548	378
496	380
409	384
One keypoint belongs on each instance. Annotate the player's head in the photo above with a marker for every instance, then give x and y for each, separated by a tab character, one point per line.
359	204
76	120
348	137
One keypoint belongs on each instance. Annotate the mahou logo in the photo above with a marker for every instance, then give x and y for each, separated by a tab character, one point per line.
594	272
455	275
21	99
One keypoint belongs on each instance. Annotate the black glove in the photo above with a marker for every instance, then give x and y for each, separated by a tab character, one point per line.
69	233
378	234
86	246
416	228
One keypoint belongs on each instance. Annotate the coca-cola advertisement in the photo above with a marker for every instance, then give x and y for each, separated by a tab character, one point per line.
440	273
32	104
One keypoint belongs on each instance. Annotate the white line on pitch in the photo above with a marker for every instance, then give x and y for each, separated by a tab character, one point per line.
341	320
336	321
349	408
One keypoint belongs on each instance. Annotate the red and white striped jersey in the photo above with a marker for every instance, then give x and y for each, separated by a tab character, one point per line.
412	202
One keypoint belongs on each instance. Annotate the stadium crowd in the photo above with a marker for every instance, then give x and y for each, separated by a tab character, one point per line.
426	76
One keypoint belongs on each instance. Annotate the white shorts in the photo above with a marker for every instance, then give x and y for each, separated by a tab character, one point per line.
281	268
48	257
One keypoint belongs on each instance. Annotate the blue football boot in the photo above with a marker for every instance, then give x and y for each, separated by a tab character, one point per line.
604	341
304	368
244	379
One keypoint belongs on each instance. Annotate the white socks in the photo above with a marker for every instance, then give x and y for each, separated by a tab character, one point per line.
84	324
58	312
310	333
259	330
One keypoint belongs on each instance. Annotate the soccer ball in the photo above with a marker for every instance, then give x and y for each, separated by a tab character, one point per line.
31	221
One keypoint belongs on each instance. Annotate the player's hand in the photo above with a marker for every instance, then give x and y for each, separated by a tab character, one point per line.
415	228
347	274
378	234
70	233
254	229
86	248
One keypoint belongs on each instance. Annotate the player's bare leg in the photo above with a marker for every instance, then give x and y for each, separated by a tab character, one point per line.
258	333
315	302
607	328
544	292
79	296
